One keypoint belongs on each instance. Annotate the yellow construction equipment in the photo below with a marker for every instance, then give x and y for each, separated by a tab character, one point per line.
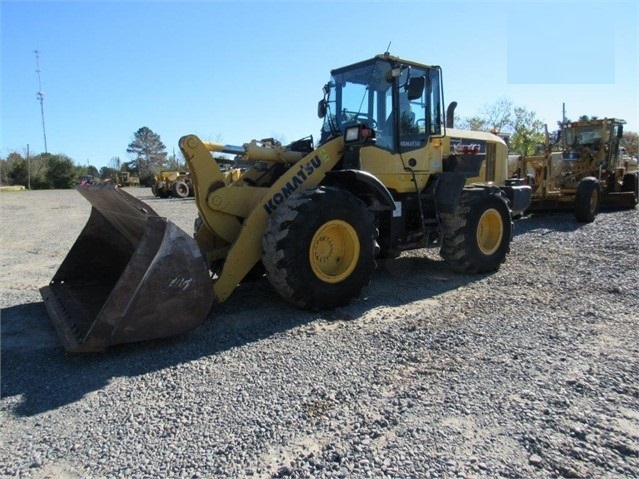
125	178
589	170
386	176
176	184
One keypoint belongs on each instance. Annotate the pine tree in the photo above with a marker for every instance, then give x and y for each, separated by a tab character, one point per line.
149	150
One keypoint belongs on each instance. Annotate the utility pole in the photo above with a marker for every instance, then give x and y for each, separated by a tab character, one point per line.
563	113
40	97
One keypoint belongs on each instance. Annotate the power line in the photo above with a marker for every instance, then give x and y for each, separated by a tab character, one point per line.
40	97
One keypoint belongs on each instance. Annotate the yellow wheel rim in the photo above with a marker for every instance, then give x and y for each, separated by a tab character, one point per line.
490	231
334	251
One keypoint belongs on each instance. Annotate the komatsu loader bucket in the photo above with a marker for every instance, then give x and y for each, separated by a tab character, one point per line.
131	275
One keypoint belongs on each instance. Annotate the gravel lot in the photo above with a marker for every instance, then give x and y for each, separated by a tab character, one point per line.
531	372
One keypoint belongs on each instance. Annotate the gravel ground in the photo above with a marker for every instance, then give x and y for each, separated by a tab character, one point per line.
531	372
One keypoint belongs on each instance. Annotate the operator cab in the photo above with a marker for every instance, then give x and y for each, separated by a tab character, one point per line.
401	101
585	140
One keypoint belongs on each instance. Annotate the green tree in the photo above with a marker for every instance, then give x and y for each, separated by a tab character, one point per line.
130	166
115	163
61	172
149	150
528	132
18	173
3	172
630	141
92	170
475	123
175	162
107	173
525	132
18	170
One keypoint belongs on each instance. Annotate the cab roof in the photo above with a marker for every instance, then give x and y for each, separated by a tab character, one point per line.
383	57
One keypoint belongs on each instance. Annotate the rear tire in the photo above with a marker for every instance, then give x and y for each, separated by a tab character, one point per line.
162	189
587	200
319	248
631	183
180	189
476	237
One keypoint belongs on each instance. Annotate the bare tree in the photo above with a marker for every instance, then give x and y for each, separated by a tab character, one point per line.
499	115
492	117
115	163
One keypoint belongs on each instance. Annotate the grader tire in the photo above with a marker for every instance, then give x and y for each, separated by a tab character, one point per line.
476	237
630	182
319	248
587	200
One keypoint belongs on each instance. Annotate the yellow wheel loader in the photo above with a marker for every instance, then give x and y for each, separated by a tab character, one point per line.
386	176
588	171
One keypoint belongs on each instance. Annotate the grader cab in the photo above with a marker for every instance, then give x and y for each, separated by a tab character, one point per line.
386	176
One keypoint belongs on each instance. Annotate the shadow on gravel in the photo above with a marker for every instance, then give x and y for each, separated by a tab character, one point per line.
40	376
552	221
546	222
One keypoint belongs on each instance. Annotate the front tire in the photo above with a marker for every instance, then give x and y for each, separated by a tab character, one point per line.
630	182
587	200
162	189
476	236
319	248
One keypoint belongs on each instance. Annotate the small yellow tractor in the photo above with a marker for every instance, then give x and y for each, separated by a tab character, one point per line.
176	184
589	170
386	176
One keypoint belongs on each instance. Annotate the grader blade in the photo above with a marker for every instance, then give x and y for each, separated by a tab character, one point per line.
131	275
619	200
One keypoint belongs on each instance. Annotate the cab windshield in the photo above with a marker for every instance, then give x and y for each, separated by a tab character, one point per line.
376	93
583	136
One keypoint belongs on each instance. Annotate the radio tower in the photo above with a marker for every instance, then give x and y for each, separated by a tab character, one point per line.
40	97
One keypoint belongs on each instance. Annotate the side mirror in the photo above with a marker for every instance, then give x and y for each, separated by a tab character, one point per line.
321	108
415	88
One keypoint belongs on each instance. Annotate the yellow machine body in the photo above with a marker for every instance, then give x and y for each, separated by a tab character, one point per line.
311	218
584	171
234	216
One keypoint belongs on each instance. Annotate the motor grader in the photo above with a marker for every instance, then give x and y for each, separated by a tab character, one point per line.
386	176
586	172
124	178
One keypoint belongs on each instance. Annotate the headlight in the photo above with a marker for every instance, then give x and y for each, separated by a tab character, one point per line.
351	134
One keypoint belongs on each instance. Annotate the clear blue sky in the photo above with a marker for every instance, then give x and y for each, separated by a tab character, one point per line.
234	71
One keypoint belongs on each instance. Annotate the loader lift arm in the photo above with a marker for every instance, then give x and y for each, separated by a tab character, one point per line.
235	216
